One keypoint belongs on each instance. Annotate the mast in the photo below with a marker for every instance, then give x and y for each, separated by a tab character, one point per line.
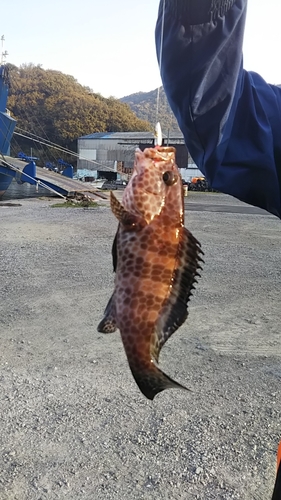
4	53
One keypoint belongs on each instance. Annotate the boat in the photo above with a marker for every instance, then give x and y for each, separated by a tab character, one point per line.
86	176
98	183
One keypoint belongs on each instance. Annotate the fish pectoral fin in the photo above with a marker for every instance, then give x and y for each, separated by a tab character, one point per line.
128	220
152	381
175	308
117	207
108	323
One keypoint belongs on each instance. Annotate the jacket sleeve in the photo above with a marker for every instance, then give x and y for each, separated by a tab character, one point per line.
230	118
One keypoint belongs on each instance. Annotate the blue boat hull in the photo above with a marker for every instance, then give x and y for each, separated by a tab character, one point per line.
5	181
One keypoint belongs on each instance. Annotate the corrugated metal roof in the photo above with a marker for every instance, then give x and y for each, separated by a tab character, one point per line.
129	135
97	135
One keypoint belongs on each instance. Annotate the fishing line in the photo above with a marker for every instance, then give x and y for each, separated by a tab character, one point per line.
160	58
64	150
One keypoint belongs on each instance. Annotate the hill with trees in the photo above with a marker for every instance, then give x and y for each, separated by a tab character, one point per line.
144	105
55	106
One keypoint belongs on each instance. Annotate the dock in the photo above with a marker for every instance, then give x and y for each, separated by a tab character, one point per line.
55	182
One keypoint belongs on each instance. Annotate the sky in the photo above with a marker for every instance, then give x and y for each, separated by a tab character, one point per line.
109	46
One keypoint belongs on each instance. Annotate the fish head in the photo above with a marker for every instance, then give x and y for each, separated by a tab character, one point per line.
155	182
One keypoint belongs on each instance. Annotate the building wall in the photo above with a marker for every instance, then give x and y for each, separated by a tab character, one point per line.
104	153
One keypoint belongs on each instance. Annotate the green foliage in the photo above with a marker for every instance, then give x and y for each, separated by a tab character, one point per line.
144	105
55	106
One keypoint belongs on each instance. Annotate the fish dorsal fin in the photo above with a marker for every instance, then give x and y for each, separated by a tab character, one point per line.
128	220
174	311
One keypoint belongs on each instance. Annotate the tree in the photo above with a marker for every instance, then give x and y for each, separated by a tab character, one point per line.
56	107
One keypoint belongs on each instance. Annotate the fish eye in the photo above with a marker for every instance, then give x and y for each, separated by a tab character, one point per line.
170	178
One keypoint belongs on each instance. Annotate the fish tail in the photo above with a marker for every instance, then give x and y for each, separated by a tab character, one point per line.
277	488
151	381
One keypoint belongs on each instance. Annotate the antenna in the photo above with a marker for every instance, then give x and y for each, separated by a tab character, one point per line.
4	53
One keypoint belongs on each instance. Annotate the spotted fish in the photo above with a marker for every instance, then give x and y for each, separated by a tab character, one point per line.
156	260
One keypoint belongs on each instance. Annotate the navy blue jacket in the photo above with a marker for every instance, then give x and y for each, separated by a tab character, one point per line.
230	118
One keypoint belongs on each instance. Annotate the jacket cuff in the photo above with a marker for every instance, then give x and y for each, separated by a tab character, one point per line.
196	11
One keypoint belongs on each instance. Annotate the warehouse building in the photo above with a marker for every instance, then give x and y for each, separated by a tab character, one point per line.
111	154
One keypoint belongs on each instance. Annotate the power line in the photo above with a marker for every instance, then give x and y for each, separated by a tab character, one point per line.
41	141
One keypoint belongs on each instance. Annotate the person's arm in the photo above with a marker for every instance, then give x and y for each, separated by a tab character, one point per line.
230	118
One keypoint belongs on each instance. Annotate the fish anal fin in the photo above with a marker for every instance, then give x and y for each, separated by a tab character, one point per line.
128	220
108	323
175	308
